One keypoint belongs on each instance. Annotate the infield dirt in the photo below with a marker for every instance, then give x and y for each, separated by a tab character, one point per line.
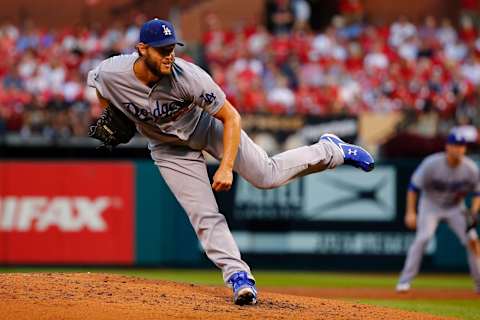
104	296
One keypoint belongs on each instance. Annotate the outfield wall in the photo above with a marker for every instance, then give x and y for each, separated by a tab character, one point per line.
122	213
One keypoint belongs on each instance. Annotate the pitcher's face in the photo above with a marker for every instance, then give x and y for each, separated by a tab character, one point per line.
159	60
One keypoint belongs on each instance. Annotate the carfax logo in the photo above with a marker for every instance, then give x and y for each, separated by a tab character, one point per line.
39	213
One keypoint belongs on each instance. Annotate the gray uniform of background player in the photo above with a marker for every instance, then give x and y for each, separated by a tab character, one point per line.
176	116
442	191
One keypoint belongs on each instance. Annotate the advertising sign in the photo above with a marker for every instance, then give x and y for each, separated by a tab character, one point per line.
66	212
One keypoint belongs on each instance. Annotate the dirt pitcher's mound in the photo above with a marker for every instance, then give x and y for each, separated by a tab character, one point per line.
103	296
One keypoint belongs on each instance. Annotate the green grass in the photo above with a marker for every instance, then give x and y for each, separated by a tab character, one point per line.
278	278
461	309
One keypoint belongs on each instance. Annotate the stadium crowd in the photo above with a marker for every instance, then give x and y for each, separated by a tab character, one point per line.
348	68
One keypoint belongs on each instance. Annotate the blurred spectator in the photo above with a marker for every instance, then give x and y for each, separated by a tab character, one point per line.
302	11
429	71
352	10
469	8
281	98
376	60
279	16
400	31
446	34
471	70
467	31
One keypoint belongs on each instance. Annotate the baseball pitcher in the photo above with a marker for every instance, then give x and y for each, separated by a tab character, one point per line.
182	112
443	180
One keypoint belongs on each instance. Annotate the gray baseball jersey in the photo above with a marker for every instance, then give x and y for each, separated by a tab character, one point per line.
443	186
176	115
167	112
442	193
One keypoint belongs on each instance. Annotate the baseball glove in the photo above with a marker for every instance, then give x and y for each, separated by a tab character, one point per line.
112	128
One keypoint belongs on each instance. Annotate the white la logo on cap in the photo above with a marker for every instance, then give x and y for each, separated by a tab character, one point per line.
166	30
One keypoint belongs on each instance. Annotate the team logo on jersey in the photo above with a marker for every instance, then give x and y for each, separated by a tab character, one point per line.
166	30
161	112
450	186
209	98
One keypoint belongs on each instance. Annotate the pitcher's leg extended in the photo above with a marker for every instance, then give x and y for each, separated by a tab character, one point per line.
185	173
265	172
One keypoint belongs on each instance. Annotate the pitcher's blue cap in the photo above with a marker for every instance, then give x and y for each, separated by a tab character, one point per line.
455	137
158	33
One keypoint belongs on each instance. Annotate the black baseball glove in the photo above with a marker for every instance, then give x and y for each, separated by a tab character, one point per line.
112	128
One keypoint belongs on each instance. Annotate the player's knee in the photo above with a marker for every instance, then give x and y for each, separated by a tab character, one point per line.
207	222
264	184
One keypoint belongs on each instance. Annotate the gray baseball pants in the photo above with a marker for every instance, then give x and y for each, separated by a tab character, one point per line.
184	170
427	223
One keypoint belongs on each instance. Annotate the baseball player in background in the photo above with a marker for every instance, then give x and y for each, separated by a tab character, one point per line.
182	112
443	180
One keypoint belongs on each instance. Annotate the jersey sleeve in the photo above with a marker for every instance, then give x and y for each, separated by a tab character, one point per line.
203	91
420	176
96	79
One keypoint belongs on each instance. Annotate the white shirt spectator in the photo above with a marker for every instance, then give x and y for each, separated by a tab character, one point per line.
446	35
339	53
408	51
71	90
10	31
471	71
253	65
258	41
27	67
455	51
53	76
376	60
323	45
70	42
282	95
349	91
91	43
401	31
302	11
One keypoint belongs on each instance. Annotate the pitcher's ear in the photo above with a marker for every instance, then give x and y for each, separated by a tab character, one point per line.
141	49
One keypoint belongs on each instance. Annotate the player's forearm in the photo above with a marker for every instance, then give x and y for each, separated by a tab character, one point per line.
475	204
231	134
412	197
231	140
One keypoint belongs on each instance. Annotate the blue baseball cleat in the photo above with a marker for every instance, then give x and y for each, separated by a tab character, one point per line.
244	291
353	155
